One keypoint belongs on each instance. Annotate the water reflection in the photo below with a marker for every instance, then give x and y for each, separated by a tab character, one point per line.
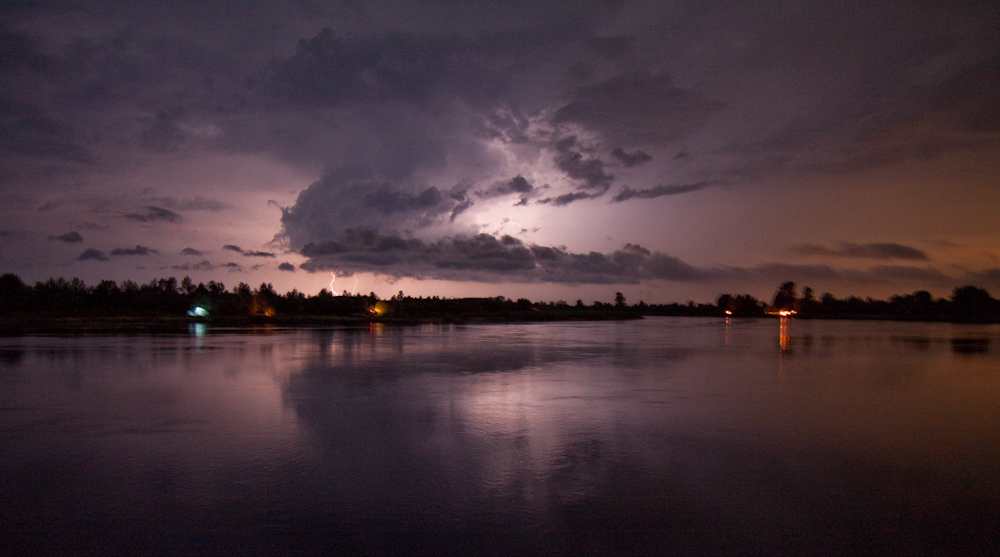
970	345
635	437
784	336
11	356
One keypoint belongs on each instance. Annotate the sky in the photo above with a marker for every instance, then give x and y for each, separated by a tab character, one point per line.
668	150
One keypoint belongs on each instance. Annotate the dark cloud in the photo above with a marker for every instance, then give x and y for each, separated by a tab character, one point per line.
464	204
93	226
20	52
869	251
388	200
286	267
487	258
333	204
198	203
567	198
165	133
630	160
638	106
588	173
92	254
26	129
191	251
403	101
328	70
69	237
969	99
775	273
780	272
987	278
661	190
516	185
154	214
247	253
200	266
897	273
137	250
895	98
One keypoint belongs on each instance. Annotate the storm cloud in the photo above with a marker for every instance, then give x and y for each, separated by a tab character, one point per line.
588	173
92	254
661	190
154	214
432	123
197	203
490	259
137	250
630	159
885	250
69	238
639	106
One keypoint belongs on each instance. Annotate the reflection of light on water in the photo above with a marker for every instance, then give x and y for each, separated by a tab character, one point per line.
784	337
197	330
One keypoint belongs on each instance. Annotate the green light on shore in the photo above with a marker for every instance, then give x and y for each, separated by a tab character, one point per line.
198	311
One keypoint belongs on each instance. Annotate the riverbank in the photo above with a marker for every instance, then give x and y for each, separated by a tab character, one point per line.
69	325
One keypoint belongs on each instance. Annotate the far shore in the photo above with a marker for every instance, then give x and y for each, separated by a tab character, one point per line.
66	325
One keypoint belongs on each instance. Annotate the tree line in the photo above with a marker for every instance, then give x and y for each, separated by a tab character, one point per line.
167	297
966	304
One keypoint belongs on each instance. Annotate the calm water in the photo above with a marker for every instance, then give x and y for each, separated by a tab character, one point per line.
684	435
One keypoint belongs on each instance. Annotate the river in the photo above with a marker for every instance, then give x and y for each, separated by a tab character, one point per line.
683	435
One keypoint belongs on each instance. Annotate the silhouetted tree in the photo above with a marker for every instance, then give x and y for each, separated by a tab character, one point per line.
785	297
969	303
13	292
187	285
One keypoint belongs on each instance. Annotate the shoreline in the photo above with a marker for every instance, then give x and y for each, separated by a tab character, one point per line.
69	325
76	325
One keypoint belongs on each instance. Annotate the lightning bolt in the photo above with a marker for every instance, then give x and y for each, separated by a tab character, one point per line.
332	289
355	285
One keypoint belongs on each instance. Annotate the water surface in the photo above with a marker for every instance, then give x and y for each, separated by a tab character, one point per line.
667	434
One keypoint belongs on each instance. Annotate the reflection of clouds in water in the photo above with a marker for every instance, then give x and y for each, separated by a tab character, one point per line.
664	436
11	356
492	425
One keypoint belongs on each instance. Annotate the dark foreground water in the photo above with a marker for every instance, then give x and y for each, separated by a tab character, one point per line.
662	435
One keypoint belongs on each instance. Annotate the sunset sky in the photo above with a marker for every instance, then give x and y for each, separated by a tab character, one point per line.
555	151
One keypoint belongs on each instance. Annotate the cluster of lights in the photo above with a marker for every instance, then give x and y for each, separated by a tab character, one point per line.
783	313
